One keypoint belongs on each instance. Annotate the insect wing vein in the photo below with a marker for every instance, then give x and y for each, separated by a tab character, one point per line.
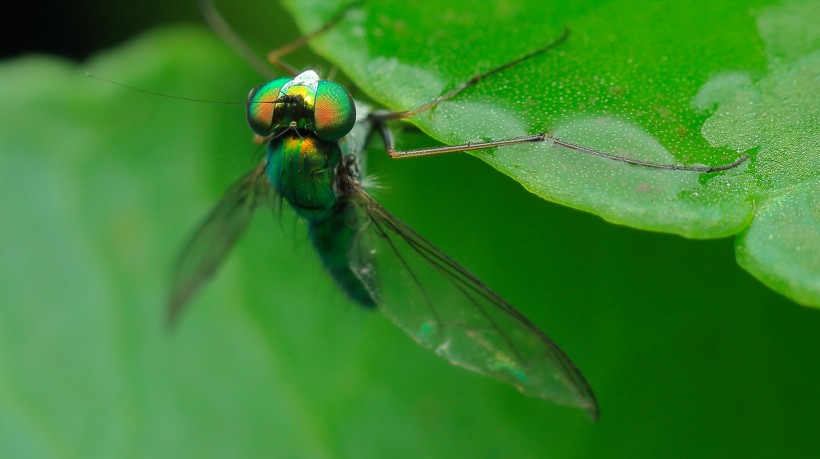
449	311
216	235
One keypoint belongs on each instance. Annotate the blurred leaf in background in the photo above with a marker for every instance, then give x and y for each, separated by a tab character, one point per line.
689	356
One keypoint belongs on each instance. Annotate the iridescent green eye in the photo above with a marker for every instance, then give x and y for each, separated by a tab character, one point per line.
334	112
261	107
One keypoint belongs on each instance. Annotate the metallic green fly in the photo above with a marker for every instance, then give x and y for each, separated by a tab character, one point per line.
315	135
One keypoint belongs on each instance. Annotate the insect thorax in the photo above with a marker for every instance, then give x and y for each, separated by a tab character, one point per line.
305	171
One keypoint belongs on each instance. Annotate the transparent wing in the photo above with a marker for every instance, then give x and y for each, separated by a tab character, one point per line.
216	235
447	310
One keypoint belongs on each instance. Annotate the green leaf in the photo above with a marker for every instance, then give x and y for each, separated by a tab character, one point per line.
639	79
100	186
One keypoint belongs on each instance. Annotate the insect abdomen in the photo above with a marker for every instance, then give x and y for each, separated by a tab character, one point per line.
332	237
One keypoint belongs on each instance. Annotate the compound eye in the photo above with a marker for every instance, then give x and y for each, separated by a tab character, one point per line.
334	112
261	107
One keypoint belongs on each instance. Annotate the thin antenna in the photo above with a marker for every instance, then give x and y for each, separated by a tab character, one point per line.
154	93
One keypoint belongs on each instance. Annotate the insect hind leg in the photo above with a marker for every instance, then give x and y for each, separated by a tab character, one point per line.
384	132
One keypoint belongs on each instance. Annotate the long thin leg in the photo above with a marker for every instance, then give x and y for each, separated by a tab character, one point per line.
275	55
380	118
390	147
221	28
384	116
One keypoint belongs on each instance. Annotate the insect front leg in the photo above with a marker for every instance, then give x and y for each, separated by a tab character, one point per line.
221	27
274	57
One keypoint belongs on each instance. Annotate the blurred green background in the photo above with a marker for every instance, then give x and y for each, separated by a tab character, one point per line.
100	186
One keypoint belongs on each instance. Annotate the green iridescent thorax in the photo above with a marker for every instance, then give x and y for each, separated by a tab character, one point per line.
304	170
305	103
